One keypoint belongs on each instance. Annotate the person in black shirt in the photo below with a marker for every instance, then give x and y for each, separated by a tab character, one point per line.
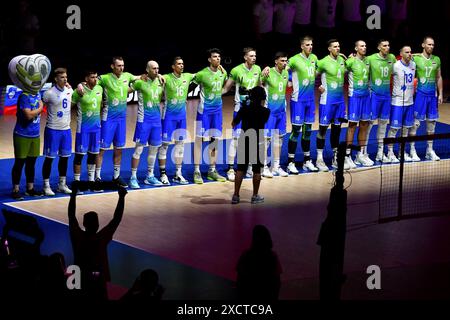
251	141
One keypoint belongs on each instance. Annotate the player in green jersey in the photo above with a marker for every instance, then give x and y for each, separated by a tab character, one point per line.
245	76
302	105
380	67
209	114
88	125
429	92
358	104
332	104
275	84
148	123
174	119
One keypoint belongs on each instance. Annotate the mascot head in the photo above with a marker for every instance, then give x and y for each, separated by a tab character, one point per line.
29	73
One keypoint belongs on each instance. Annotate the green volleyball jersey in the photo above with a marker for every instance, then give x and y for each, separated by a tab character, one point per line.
380	74
275	84
358	76
88	108
176	94
211	84
426	73
333	72
303	76
116	94
246	78
149	97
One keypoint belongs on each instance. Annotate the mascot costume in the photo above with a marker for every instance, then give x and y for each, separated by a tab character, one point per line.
29	73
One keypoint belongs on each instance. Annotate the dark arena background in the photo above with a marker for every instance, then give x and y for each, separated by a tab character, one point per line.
192	235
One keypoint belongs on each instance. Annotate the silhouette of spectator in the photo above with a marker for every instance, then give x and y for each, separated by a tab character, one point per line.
351	21
52	282
26	28
146	288
398	14
258	269
284	12
302	17
253	116
90	247
263	26
326	18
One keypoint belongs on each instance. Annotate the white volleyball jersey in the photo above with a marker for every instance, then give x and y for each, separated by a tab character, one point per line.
58	107
403	88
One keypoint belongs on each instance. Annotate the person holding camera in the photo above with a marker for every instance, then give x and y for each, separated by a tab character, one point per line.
253	116
90	247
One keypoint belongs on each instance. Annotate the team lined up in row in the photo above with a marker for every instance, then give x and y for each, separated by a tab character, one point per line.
98	126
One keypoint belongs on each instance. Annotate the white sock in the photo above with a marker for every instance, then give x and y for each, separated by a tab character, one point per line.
91	172
98	172
76	176
46	183
276	163
178	166
320	154
212	168
152	151
116	171
62	181
133	172
196	168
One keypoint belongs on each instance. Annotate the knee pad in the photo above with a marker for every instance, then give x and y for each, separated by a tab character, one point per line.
137	152
163	151
307	130
78	159
179	149
405	131
431	126
295	132
212	143
321	134
392	132
152	150
91	158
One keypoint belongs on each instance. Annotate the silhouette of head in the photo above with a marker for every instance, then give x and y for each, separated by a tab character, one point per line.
257	94
149	279
90	221
261	238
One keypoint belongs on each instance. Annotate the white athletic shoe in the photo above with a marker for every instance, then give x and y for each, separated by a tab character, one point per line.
366	156
309	166
406	157
180	179
381	157
165	179
266	172
320	164
278	171
348	163
431	155
291	168
414	156
249	173
48	192
231	175
362	159
64	189
392	158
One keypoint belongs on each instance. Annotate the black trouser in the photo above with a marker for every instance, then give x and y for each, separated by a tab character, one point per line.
249	151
